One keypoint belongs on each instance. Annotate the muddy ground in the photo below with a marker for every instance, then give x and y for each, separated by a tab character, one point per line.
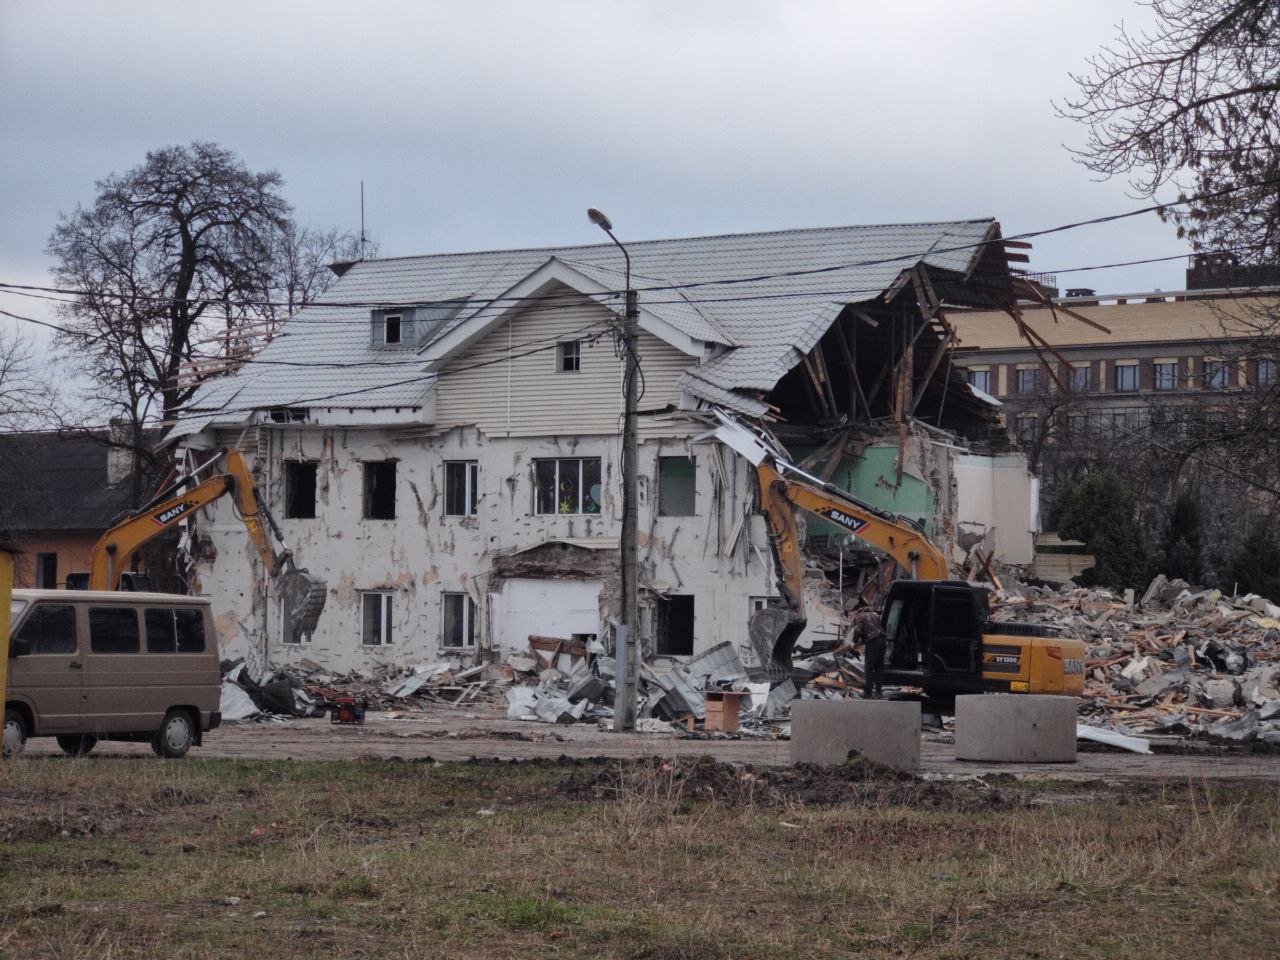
482	731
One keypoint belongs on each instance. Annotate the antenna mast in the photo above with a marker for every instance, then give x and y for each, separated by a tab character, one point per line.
363	238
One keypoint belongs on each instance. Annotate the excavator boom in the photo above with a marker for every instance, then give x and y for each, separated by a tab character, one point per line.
302	594
785	488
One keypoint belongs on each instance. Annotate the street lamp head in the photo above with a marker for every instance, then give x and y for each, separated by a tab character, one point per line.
599	219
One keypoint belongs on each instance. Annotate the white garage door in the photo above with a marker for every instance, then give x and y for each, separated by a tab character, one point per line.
544	608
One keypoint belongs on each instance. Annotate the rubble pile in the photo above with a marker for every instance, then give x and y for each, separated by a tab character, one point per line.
1178	660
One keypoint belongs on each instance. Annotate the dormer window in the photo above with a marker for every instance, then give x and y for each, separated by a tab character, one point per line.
391	329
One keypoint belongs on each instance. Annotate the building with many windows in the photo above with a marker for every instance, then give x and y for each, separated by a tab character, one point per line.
1142	358
439	436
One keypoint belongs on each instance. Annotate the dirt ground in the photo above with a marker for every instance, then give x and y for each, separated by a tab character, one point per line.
135	858
482	731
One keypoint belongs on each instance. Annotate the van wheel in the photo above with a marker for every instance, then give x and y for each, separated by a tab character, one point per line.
77	746
15	732
175	736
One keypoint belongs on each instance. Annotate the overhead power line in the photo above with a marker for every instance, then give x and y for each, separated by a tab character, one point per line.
688	285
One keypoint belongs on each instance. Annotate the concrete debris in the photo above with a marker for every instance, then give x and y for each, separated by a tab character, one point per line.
1180	660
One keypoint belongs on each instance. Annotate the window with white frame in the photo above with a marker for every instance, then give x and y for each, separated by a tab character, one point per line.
459	620
569	356
764	603
376	618
461	478
567	485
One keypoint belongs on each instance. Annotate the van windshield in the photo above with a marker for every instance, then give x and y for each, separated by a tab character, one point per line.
15	610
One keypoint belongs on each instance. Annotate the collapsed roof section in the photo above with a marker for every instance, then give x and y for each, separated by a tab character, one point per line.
836	324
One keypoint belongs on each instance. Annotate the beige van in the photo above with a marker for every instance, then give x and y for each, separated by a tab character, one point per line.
90	665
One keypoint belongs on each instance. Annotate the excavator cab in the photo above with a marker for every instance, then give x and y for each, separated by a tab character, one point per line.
933	634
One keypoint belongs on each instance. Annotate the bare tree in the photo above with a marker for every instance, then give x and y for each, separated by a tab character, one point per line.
24	397
161	246
183	267
1193	102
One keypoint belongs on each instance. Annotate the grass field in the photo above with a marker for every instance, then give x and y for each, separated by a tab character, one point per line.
253	859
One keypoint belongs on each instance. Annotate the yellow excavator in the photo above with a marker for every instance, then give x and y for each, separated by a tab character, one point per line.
302	594
939	634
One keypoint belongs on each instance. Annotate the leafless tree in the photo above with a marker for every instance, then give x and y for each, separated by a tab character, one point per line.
23	394
160	247
190	260
1193	102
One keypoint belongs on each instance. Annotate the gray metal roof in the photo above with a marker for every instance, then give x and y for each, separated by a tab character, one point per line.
765	326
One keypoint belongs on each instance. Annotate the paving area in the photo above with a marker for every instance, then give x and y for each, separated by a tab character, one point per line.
482	731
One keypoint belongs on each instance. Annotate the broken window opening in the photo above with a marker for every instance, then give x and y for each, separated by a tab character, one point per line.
567	486
677	486
673	629
569	356
461	480
391	329
459	621
375	628
380	490
46	571
768	603
300	490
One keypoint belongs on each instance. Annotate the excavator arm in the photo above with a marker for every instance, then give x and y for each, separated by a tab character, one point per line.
783	490
302	594
113	549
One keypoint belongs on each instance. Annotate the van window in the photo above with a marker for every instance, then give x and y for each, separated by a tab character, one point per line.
51	628
178	630
15	610
113	630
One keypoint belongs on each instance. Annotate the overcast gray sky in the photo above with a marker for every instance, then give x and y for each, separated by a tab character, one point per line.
481	124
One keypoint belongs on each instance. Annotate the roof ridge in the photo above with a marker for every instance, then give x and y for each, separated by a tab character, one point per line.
707	236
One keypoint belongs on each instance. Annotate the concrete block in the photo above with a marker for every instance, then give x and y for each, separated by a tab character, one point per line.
883	731
1016	728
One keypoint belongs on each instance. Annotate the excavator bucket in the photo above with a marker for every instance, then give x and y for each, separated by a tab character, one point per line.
773	633
303	598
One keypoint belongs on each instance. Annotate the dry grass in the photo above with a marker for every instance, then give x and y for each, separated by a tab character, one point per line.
140	858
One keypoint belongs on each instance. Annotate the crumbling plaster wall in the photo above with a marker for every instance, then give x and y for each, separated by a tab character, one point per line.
423	553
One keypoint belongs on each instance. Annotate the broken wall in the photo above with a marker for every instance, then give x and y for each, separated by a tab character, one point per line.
719	554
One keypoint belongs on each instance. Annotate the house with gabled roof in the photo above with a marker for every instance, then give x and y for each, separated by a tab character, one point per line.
439	436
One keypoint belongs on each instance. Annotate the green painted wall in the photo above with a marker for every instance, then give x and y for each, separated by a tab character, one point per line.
871	478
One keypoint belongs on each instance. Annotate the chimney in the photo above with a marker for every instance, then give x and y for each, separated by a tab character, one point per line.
120	460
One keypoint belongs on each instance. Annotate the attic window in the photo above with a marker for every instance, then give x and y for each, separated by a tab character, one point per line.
391	329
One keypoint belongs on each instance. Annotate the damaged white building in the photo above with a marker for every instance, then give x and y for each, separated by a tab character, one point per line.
439	437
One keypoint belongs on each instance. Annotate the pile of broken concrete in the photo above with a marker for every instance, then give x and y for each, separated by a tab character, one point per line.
1178	660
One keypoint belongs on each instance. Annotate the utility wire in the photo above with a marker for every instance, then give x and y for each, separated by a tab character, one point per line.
757	278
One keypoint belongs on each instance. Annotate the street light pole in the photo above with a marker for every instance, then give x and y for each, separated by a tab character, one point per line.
628	661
